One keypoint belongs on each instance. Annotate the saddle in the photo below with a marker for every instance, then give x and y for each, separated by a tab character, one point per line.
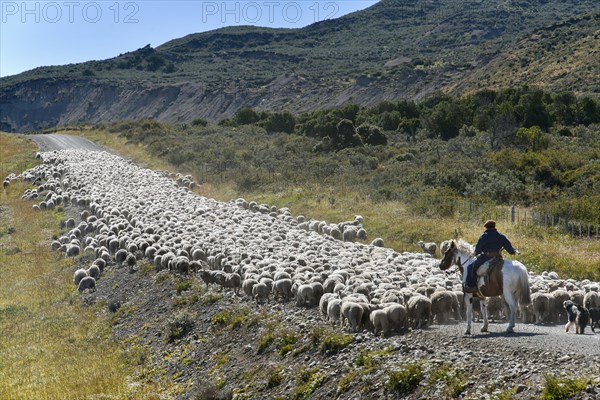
491	273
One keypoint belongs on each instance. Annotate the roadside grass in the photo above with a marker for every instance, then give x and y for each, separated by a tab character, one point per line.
401	227
51	346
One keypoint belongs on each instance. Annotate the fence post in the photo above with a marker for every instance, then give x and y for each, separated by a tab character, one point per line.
525	217
566	224
512	214
588	226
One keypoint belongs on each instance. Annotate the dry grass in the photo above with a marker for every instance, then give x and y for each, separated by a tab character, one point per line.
51	346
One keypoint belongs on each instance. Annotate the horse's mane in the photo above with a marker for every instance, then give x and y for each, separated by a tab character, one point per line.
464	246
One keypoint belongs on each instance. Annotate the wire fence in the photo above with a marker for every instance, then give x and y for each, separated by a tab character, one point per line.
514	215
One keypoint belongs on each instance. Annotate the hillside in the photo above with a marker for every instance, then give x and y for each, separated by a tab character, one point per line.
394	49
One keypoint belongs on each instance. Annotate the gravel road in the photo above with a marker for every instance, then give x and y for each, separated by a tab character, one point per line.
55	141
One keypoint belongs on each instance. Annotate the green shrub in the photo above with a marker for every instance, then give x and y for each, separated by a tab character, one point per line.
329	340
405	379
562	388
308	380
179	326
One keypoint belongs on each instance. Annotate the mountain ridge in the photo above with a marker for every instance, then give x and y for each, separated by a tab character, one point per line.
393	49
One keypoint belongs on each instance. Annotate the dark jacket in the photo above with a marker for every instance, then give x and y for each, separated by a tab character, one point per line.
492	241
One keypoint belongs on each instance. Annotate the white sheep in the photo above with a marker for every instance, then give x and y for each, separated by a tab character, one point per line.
93	271
378	242
86	283
379	320
443	304
79	275
351	314
282	288
419	311
397	317
334	309
429	248
260	292
540	306
247	286
591	300
305	295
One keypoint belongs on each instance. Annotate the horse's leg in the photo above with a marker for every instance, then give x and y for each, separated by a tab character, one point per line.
469	306
484	314
511	303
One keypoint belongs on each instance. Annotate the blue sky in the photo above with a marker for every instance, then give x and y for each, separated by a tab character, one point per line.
39	33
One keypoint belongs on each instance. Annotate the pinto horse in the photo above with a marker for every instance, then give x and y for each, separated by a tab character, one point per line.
510	280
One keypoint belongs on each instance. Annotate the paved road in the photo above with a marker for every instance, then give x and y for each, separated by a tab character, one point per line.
55	141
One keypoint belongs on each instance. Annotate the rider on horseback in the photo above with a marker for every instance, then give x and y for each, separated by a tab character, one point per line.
489	245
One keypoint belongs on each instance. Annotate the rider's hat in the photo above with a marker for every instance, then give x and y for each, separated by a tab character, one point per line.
490	224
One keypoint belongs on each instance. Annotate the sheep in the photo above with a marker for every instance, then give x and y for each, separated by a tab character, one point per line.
93	271
318	291
260	292
397	318
79	275
233	281
350	234
334	309
351	315
378	242
72	250
540	305
444	304
379	320
305	295
120	256
87	283
419	311
591	300
557	311
594	318
207	277
429	248
130	261
324	301
282	288
247	286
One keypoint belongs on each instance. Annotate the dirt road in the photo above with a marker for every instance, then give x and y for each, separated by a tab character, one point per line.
55	141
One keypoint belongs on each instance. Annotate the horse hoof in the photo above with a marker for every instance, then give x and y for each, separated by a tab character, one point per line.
484	330
467	333
510	331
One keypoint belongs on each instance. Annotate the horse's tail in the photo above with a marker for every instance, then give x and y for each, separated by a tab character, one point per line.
524	289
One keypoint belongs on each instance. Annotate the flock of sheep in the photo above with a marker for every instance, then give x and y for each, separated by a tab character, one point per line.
130	214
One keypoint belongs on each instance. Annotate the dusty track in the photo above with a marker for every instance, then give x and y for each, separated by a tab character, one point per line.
55	141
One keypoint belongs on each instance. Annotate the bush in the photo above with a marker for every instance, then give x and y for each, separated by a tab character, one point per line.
406	379
330	341
280	122
179	326
563	388
199	122
245	116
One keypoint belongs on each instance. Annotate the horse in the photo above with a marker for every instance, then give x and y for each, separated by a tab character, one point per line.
511	281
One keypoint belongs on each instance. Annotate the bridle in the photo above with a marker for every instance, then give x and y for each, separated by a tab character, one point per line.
456	261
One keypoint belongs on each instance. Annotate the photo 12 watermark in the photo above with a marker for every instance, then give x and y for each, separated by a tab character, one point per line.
267	12
54	12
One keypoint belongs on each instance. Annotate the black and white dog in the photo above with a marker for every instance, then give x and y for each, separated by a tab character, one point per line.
595	317
577	315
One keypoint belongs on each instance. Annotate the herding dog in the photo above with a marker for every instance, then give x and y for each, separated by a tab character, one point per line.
578	315
595	317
